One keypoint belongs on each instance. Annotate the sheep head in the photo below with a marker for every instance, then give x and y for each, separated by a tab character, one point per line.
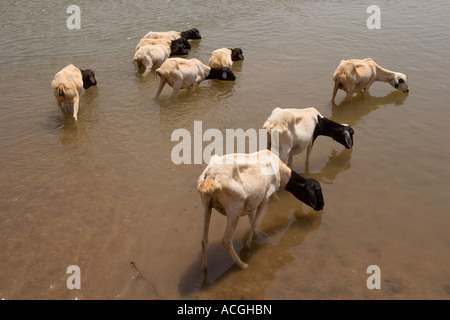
221	73
88	77
400	82
178	49
341	133
306	190
191	34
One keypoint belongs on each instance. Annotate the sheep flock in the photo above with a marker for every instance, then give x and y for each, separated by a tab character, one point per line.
240	184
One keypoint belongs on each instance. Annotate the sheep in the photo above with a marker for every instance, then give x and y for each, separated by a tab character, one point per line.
241	184
299	128
67	86
150	56
354	76
193	34
148	41
188	73
225	57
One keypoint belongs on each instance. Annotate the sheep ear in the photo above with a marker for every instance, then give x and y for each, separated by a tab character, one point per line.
348	140
396	83
277	109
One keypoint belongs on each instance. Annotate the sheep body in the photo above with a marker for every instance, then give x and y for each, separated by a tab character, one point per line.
169	43
221	58
167	35
67	86
356	75
225	57
298	128
241	184
173	35
151	56
181	74
149	41
188	73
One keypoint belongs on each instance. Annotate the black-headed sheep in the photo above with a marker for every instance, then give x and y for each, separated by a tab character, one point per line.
354	76
298	129
241	184
188	73
67	86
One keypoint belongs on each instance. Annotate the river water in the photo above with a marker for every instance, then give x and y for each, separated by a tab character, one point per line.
105	192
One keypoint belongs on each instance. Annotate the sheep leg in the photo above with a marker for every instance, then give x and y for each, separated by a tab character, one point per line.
136	65
251	217
148	64
335	89
76	104
207	218
146	72
349	96
61	114
162	83
194	85
366	89
176	89
233	216
308	153
291	158
254	219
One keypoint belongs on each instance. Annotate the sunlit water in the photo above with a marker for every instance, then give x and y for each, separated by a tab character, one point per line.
104	192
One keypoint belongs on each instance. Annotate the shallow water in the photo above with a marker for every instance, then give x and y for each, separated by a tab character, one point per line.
104	192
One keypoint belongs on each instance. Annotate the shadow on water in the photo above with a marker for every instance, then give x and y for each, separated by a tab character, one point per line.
336	164
290	225
266	256
214	90
353	112
237	67
191	105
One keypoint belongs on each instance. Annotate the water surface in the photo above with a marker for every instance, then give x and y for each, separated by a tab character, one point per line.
104	192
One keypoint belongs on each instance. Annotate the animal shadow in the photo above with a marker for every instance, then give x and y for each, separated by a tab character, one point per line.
353	112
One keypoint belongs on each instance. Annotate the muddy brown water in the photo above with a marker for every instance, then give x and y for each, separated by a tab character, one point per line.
105	192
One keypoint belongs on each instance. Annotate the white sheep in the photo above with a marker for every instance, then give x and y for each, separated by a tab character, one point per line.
153	56
67	86
173	35
188	73
241	184
298	128
225	57
354	76
170	43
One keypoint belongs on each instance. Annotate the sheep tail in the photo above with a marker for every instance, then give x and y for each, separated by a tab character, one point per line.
269	126
60	90
339	77
207	185
63	91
